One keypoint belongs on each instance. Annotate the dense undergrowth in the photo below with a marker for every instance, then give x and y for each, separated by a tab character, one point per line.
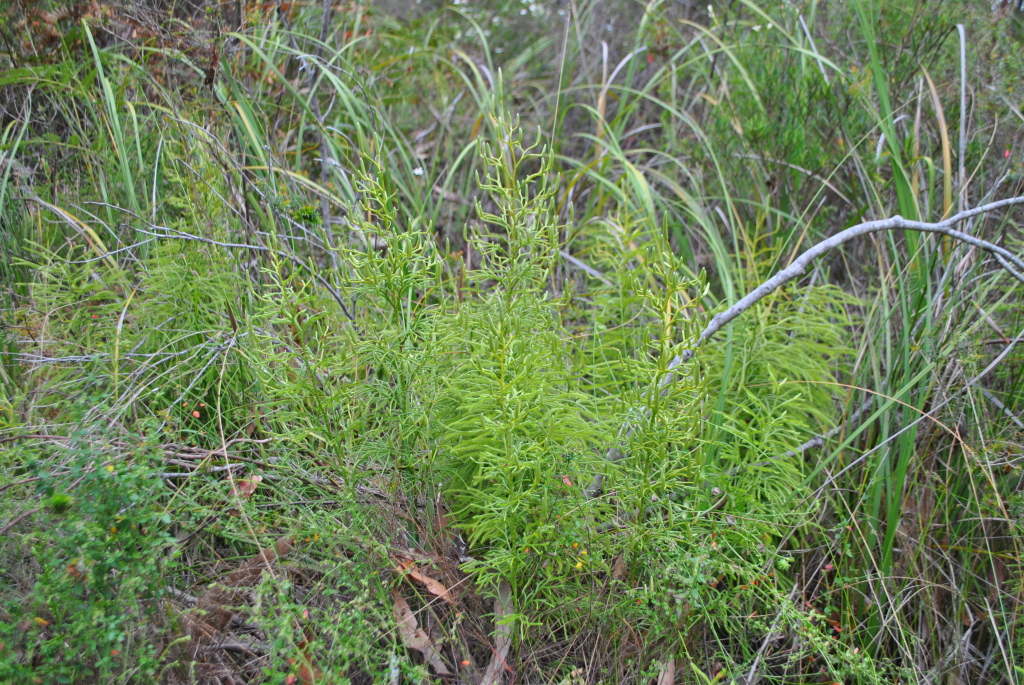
337	343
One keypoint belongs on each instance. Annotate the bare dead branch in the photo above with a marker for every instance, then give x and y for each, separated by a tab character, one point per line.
799	266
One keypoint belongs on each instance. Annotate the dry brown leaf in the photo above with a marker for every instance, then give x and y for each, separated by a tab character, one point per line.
502	636
619	567
212	603
310	675
575	677
245	487
434	587
413	636
306	673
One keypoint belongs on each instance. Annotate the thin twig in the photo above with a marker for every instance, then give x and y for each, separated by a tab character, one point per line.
933	410
819	440
996	401
33	436
181	235
166	232
752	677
16	520
816	441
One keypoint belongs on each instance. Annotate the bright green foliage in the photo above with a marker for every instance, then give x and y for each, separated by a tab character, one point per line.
407	283
772	390
516	430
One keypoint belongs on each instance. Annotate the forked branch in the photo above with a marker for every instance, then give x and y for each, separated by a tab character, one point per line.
1009	261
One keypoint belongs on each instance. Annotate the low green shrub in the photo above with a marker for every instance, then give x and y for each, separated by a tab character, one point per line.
102	553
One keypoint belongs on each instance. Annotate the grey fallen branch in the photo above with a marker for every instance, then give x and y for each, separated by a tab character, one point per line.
819	440
799	266
250	647
183	597
1009	414
1013	264
182	235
